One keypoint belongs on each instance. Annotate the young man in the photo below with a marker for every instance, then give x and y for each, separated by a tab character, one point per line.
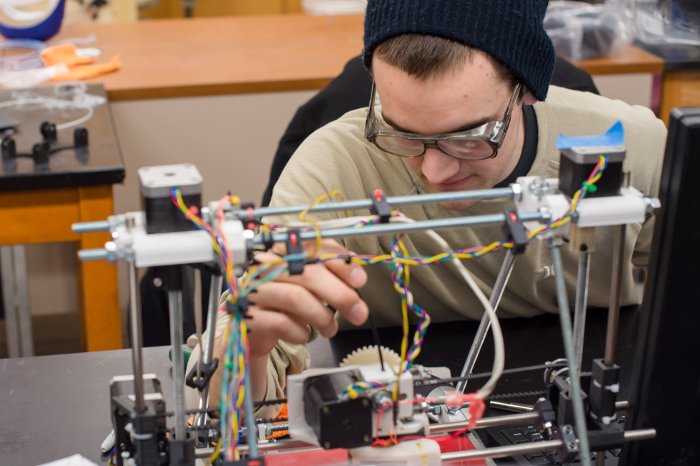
477	71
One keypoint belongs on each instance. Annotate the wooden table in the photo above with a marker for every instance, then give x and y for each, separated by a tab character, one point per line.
247	54
39	203
227	55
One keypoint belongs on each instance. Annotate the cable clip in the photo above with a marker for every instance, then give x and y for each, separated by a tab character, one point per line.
295	252
207	370
380	207
515	231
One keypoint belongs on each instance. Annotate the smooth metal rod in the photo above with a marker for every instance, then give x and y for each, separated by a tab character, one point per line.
175	305
214	294
90	227
391	228
584	267
394	201
252	428
575	381
136	340
622	404
503	452
486	422
615	287
534	447
207	353
485	324
93	254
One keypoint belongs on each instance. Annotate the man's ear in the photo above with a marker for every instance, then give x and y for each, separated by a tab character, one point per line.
528	98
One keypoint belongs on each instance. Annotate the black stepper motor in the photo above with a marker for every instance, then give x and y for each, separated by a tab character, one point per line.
577	163
162	216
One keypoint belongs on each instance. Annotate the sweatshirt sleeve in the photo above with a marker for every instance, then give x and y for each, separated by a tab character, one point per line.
284	359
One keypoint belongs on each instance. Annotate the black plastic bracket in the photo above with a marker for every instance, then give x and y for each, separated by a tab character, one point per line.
295	265
515	231
546	416
9	148
48	131
207	370
380	207
603	391
569	449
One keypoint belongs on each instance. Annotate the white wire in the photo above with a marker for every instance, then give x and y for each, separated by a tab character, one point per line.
78	121
499	346
62	104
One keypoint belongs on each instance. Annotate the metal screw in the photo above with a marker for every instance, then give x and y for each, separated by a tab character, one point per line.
567	429
572	445
327	445
365	438
157	282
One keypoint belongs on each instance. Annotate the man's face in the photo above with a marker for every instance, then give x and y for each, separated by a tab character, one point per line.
457	101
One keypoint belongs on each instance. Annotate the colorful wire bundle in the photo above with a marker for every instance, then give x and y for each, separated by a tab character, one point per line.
401	279
235	365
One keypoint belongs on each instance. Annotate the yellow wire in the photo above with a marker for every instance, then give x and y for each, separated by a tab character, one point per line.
215	455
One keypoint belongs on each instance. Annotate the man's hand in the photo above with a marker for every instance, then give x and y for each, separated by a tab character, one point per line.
283	309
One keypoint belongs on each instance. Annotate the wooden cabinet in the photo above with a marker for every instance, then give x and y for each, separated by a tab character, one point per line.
204	8
680	89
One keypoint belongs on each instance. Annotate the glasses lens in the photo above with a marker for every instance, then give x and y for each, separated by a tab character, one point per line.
473	149
400	146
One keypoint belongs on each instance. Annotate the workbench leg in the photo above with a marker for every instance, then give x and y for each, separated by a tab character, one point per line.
18	320
101	317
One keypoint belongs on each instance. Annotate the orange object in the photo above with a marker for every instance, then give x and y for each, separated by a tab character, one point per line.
89	71
78	67
65	53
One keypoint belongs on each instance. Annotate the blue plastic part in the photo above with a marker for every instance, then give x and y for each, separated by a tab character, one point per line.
42	30
615	136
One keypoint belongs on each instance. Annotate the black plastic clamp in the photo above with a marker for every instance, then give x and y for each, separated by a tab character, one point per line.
603	391
295	250
380	207
546	416
40	153
9	148
206	371
48	131
241	305
80	138
515	231
249	221
570	446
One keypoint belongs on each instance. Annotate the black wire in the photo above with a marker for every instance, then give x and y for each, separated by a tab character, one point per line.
482	375
375	337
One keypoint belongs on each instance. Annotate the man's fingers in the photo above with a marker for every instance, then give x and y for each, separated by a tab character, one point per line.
332	282
298	302
329	288
275	325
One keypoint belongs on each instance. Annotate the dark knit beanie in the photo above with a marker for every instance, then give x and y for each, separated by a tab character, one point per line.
509	30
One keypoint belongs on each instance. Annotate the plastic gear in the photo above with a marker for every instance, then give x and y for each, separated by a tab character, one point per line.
369	355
